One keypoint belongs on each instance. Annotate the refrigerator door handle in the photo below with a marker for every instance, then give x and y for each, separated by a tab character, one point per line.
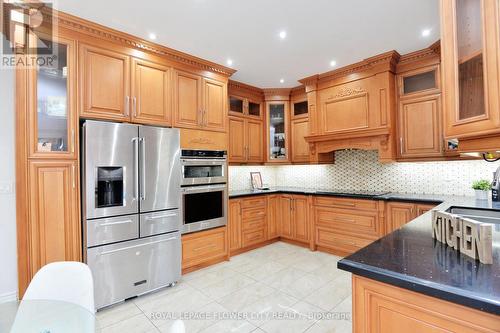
143	165
135	141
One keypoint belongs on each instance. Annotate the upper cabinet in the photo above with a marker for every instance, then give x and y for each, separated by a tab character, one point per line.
151	93
299	126
104	83
199	102
246	129
419	116
277	131
116	86
53	120
214	105
470	46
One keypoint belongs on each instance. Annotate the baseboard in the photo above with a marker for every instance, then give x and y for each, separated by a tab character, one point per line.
8	297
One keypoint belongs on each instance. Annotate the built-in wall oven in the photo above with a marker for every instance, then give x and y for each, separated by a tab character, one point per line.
204	189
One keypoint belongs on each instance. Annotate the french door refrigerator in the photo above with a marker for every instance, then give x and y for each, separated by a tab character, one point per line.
131	208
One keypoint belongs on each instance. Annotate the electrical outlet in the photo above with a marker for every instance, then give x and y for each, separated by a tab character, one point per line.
6	188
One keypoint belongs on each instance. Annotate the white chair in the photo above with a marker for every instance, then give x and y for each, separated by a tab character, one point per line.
67	281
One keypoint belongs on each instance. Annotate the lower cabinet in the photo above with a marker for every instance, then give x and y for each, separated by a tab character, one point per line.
54	229
248	222
204	248
379	307
346	225
273	220
294	217
400	213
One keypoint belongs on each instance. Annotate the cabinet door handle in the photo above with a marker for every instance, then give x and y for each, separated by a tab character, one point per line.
200	115
401	146
74	175
127	106
135	106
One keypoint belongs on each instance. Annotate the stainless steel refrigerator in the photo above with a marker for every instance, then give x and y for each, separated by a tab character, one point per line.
131	208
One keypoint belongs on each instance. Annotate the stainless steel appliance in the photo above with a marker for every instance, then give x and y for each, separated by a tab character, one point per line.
131	208
203	167
495	186
204	189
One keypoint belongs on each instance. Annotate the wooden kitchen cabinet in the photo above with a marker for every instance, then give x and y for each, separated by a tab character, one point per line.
54	229
245	140
254	141
400	213
278	132
187	100
104	83
345	225
199	102
420	127
204	248
214	105
234	225
300	147
151	93
469	48
382	308
273	218
294	217
285	215
237	140
116	86
53	117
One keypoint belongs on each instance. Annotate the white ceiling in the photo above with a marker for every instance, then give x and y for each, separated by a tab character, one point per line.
247	31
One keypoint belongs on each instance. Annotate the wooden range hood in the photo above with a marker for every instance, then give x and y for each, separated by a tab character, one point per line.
353	107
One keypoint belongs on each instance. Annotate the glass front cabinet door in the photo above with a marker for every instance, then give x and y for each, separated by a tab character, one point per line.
52	109
470	48
277	120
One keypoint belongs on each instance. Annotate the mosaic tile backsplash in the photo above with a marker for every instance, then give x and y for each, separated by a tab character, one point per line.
361	170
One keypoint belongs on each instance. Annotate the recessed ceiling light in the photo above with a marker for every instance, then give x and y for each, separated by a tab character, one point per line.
283	34
152	36
282	80
229	62
333	63
426	32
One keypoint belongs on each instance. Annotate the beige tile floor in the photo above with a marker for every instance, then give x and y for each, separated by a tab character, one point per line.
277	288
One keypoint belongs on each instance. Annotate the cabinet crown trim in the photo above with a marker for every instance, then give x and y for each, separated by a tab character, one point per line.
74	23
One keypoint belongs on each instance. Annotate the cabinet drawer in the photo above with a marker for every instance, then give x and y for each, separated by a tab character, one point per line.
254	213
112	230
363	222
254	202
338	241
253	224
253	237
160	222
348	203
203	246
134	267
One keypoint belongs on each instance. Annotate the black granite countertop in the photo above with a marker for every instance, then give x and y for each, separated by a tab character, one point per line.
380	195
411	259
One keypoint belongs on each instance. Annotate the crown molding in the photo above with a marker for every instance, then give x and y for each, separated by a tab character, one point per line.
433	51
277	94
70	22
245	87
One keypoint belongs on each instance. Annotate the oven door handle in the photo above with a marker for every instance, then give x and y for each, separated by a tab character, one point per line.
221	162
198	189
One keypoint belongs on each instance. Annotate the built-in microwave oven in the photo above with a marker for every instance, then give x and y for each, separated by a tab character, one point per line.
203	167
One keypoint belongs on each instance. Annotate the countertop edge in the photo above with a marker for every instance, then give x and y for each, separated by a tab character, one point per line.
456	296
